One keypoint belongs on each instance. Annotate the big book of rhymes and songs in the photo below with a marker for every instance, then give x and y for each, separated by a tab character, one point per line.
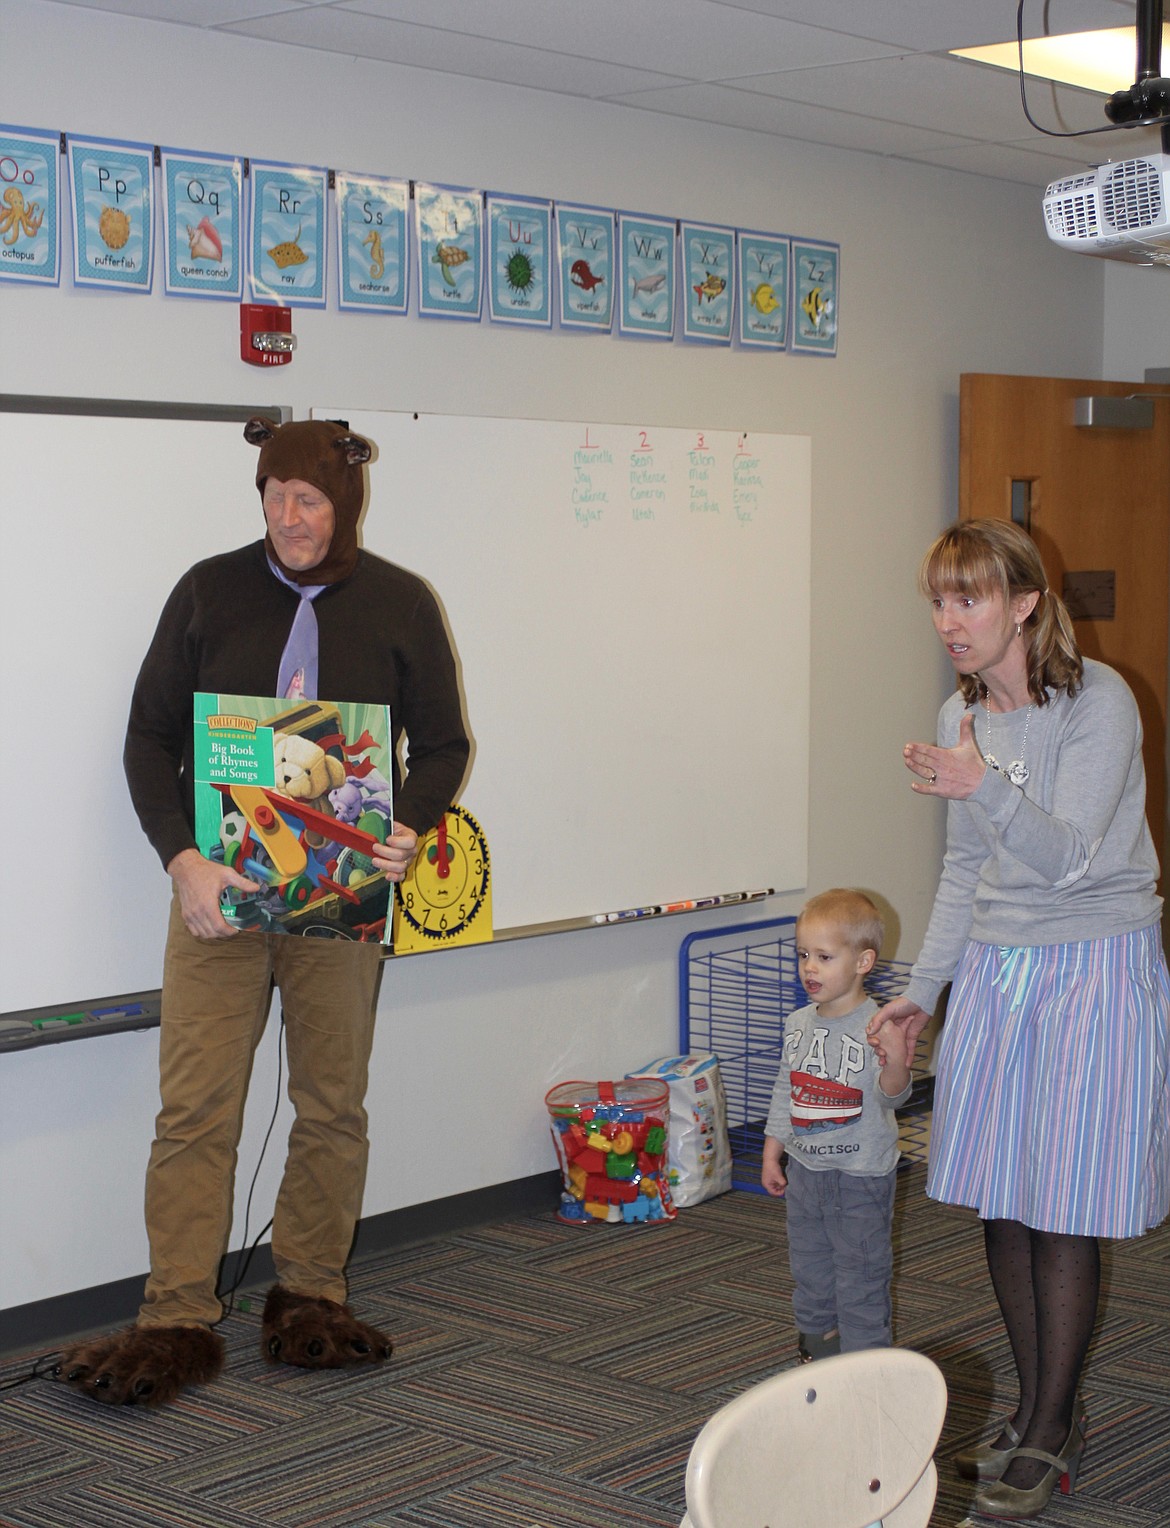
294	795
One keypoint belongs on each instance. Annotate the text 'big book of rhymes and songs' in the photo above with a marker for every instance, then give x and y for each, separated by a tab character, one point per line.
294	795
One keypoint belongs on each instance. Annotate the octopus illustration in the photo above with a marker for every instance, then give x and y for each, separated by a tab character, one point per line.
377	255
16	218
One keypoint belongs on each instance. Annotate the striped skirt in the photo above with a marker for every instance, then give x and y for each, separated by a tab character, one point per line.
1052	1099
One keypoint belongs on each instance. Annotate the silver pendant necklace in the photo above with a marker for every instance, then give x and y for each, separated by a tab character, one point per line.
1017	770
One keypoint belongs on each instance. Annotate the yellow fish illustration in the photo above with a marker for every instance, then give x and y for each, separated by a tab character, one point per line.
710	288
377	255
447	255
764	298
289	253
815	306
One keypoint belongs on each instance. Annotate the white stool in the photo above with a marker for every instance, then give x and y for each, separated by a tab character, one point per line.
842	1443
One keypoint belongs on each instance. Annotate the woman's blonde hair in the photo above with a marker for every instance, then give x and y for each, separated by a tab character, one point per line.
982	557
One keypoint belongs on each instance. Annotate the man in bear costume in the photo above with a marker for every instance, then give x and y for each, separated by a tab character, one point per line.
304	612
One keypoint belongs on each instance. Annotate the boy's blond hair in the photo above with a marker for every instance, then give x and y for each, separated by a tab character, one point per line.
852	913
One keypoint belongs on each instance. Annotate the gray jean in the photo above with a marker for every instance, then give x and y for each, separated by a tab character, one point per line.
840	1254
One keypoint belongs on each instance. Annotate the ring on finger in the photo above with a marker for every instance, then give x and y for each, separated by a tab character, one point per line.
933	778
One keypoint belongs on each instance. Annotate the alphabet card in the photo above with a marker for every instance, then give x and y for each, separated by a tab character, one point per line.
519	260
646	255
763	289
373	249
30	223
202	225
816	296
449	225
286	240
585	247
708	256
112	185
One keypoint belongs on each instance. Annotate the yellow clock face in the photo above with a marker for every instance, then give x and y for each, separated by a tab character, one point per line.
447	886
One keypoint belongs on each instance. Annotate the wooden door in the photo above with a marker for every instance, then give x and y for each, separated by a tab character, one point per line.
1097	503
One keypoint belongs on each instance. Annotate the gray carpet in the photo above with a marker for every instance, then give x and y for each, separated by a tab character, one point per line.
549	1376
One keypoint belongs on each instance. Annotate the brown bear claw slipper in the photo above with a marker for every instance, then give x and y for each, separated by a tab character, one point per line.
314	1333
143	1365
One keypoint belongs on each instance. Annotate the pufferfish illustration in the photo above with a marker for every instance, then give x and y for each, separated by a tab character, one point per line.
114	227
815	306
763	297
447	255
710	288
377	254
289	253
580	275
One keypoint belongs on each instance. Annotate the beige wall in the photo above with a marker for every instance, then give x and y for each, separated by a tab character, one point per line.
940	273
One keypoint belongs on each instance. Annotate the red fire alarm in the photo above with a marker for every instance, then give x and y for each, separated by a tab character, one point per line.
266	337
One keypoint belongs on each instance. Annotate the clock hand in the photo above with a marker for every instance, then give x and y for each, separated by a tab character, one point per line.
443	867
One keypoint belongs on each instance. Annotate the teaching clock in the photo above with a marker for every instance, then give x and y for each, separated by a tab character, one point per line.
445	896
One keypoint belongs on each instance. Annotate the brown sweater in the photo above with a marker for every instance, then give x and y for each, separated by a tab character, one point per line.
381	640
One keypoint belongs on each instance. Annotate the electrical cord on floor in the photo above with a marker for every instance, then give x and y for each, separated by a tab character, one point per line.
227	1296
43	1367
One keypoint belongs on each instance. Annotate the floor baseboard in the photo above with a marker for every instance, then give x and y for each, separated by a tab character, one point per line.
52	1322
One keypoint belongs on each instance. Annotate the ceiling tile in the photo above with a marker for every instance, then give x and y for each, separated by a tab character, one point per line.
349	32
948	95
720	104
197	13
870	75
693	39
1004	161
931	26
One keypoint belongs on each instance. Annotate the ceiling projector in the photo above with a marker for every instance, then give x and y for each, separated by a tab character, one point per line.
1119	210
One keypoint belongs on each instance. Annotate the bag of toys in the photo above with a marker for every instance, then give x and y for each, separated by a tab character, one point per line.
610	1140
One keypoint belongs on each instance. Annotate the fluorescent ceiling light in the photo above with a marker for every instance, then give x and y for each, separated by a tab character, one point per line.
1099	61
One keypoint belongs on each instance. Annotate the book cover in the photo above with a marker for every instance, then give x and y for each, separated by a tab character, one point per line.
294	795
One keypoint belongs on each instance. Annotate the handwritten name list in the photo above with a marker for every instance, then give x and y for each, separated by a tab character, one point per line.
620	473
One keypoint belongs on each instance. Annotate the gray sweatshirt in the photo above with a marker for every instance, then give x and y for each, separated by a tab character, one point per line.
1065	857
828	1109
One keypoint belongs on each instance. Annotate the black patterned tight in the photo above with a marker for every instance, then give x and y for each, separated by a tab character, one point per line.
1047	1286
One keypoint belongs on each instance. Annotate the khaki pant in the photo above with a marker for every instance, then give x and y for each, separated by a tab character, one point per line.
216	996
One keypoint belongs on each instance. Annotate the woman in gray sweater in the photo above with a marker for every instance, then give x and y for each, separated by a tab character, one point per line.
1052	1099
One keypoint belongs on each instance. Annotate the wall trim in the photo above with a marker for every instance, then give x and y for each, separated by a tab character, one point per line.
50	1323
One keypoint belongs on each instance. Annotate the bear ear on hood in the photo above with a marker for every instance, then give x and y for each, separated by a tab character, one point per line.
258	430
356	449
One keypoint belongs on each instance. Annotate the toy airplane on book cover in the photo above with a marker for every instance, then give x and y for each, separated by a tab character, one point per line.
295	795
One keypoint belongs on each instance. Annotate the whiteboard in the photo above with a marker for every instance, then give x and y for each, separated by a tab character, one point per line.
630	608
635	669
102	517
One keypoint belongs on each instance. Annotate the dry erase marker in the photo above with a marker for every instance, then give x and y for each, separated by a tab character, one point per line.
677	907
632	912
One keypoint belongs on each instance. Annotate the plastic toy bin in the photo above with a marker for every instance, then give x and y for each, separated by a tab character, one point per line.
736	986
610	1140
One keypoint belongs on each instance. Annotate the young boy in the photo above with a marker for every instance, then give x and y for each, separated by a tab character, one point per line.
833	1112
